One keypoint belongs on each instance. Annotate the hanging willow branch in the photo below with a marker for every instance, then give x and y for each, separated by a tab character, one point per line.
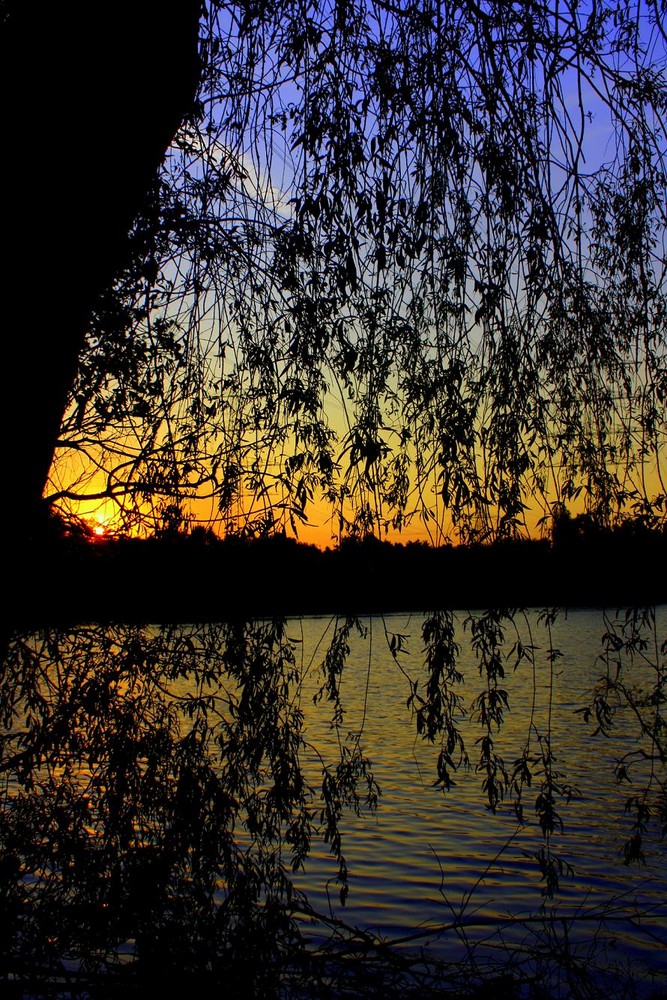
406	261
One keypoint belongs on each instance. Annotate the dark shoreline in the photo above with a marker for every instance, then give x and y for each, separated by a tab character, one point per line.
184	579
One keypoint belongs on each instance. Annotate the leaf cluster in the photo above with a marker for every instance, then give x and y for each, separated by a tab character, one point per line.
403	262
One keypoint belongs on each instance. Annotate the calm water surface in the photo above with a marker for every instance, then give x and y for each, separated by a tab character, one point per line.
428	857
440	872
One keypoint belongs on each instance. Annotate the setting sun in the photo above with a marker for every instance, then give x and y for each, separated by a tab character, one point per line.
101	524
100	528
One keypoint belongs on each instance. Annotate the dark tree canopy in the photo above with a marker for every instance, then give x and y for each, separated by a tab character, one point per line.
92	95
407	261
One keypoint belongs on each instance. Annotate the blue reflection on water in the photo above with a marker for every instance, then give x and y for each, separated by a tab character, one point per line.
441	865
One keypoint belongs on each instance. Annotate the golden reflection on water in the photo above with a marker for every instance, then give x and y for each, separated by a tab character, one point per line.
427	854
426	860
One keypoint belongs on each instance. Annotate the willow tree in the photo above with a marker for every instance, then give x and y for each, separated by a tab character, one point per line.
90	98
408	261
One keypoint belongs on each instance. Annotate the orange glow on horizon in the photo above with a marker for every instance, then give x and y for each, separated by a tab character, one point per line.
100	525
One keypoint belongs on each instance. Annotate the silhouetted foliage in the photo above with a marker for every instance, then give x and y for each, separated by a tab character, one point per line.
182	575
159	787
154	816
90	99
406	262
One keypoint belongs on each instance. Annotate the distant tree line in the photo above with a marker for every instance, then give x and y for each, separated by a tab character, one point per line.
194	575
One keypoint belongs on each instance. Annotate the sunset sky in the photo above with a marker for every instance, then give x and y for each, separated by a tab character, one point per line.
271	359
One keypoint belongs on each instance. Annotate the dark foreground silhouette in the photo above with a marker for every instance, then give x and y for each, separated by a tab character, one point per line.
159	786
197	577
91	96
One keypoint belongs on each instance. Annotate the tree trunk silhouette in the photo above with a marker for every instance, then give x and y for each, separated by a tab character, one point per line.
92	95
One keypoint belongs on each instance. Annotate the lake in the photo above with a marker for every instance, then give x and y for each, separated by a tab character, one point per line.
154	794
429	858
